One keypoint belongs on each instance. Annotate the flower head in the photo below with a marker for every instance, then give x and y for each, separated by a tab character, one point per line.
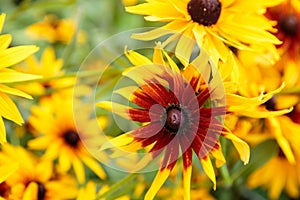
214	24
53	29
61	138
180	111
50	68
34	178
10	56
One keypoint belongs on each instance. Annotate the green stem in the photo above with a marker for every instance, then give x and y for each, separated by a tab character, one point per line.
116	186
225	174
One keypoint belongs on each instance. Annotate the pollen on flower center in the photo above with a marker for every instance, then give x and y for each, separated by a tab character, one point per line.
205	12
72	138
41	191
289	25
174	119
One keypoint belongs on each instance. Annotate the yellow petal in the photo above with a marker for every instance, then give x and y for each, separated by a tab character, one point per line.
282	141
79	170
218	155
10	76
159	180
119	141
94	166
2	19
9	110
173	27
187	174
2	131
173	65
15	55
5	41
13	91
116	108
31	192
154	9
157	55
241	146
6	170
136	58
185	46
209	170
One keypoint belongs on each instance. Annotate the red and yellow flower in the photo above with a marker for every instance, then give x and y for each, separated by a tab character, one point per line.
180	111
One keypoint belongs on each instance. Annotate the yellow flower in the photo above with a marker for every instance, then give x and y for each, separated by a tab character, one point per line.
50	68
34	178
167	104
53	29
277	175
213	24
10	56
54	120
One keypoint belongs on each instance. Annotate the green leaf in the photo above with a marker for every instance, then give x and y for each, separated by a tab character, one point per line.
260	155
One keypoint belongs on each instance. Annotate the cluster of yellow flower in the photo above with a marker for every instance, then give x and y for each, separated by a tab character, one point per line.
220	70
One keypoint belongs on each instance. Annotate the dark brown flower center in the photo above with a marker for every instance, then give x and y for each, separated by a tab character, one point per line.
4	190
71	137
205	12
271	104
173	119
289	25
41	191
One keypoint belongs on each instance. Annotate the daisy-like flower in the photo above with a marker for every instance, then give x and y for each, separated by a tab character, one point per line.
49	67
10	56
278	175
287	16
181	111
34	178
214	24
54	120
53	29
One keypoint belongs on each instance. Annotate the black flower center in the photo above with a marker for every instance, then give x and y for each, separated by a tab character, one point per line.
205	12
41	191
271	104
71	137
174	118
289	25
4	190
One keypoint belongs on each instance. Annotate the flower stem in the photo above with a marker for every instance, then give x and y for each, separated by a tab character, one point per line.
116	186
225	174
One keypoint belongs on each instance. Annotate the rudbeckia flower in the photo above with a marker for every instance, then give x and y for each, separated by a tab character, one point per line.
278	175
60	136
53	29
50	68
34	178
180	111
214	24
10	56
287	16
256	79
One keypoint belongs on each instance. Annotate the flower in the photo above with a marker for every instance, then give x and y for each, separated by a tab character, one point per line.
53	29
10	56
287	16
180	110
277	175
34	178
61	137
50	68
212	23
